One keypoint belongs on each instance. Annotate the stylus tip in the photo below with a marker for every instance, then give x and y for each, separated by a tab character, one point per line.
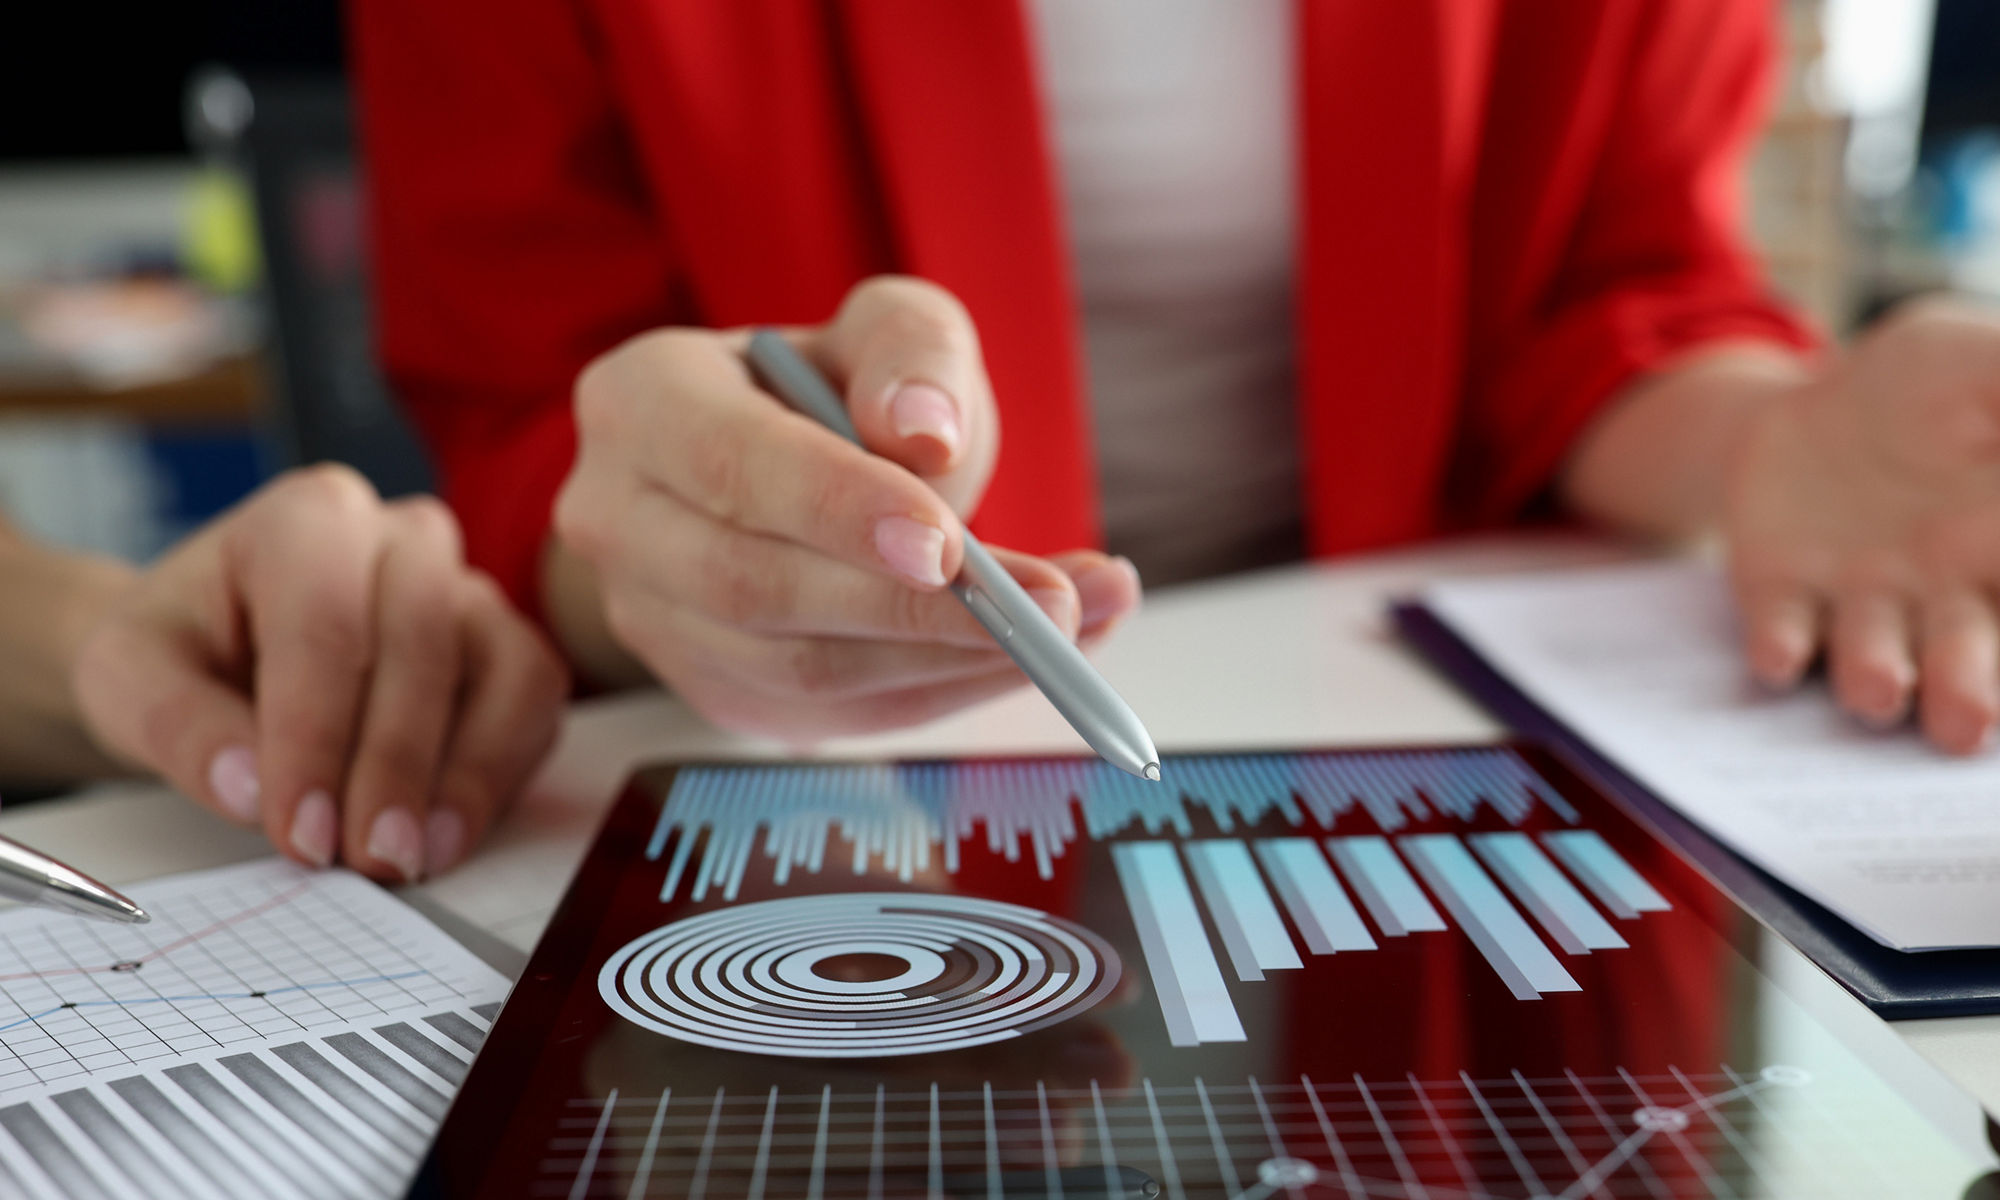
1153	772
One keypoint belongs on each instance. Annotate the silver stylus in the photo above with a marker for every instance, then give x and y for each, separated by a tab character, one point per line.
34	878
994	597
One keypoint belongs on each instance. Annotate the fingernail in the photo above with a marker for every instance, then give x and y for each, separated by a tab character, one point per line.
232	776
1974	735
444	841
912	548
393	838
921	410
1785	657
313	828
1102	589
1886	705
1056	602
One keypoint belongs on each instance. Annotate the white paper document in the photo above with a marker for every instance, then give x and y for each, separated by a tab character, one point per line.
1642	662
273	1032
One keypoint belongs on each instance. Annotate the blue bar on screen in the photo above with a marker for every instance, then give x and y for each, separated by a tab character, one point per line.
1251	928
1319	907
1608	876
1186	977
1546	892
1524	964
1385	885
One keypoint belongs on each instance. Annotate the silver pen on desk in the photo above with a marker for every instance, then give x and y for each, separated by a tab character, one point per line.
995	599
32	877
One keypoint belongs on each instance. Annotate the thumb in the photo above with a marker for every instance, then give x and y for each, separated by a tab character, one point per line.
149	699
915	383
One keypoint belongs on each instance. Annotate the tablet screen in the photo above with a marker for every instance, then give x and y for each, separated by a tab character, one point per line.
1452	972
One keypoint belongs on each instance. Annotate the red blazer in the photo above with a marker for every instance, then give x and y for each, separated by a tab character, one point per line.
1508	209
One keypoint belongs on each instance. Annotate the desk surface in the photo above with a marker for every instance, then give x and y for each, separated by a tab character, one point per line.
1292	657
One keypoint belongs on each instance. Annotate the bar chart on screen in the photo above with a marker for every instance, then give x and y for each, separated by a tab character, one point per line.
1387	834
273	1032
1455	972
906	818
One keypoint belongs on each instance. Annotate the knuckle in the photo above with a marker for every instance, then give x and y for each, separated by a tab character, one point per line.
622	617
408	761
1876	572
925	324
547	678
429	519
165	726
639	624
541	673
1952	614
576	514
595	398
725	709
808	667
906	309
912	292
332	487
98	662
1957	543
718	475
481	592
463	788
331	631
933	334
738	585
603	394
312	734
834	495
424	649
912	613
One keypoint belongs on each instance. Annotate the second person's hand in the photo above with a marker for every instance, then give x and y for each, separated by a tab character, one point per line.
322	663
781	579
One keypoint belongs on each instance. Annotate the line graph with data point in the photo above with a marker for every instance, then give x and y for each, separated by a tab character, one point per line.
274	1032
262	952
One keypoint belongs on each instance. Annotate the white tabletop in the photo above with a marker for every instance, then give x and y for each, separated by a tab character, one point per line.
1296	656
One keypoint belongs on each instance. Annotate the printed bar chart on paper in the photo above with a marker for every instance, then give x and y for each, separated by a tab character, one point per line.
272	1032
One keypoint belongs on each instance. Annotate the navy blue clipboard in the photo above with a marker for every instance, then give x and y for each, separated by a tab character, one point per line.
1895	984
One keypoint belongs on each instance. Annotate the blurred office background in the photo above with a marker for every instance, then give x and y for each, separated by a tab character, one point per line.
182	308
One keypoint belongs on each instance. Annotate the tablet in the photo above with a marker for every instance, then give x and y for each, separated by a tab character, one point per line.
1456	972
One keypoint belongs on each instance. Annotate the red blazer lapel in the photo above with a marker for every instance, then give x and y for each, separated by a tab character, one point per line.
950	108
1382	306
769	209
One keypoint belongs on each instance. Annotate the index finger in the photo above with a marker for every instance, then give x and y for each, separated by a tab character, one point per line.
701	429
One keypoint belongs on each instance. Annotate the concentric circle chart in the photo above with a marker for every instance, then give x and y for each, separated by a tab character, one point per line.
764	978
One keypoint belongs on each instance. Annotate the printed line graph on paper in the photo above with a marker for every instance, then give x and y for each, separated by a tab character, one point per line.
271	952
1723	1132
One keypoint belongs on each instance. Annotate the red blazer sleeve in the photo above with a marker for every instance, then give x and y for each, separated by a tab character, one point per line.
512	242
1650	264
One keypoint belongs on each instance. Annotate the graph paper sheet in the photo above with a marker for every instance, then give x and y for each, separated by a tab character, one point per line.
1447	972
273	1032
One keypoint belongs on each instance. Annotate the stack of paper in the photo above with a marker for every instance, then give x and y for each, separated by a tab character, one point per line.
1643	663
